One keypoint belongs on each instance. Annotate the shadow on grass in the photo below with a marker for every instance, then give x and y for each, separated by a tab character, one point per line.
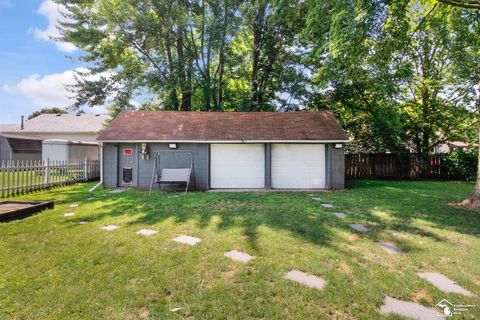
402	202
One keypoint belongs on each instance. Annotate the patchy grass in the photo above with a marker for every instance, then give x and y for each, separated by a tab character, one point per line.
53	268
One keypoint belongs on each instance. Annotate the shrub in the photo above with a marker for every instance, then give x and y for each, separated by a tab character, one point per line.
462	164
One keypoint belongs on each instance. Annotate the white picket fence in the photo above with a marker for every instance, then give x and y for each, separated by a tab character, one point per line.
20	177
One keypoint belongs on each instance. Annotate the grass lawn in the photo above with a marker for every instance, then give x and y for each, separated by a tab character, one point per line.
53	268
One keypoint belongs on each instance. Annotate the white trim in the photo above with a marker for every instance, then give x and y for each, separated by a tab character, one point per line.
225	141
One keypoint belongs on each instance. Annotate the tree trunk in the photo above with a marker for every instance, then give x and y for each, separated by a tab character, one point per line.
172	102
186	99
258	27
473	201
475	196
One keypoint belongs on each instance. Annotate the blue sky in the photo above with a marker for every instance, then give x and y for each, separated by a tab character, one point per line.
33	69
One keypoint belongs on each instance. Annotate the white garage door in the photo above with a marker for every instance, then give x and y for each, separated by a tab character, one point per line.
298	166
237	166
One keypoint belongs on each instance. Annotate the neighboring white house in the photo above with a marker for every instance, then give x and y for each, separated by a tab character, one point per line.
78	131
73	127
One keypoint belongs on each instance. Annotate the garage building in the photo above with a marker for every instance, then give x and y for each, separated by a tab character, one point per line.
231	150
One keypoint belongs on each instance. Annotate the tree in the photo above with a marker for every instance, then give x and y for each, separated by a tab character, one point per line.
390	71
47	111
185	54
474	199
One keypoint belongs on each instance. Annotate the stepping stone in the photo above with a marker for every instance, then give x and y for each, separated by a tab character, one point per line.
390	247
82	222
73	205
359	227
191	241
119	190
340	215
407	309
69	214
317	199
104	195
444	284
306	279
90	199
238	256
326	205
110	227
147	232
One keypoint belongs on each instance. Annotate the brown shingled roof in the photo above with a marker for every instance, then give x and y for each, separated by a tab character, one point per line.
223	126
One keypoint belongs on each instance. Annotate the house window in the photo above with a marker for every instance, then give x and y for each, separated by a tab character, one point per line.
127	175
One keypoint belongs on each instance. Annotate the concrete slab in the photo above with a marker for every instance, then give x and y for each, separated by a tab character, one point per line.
110	227
327	205
119	190
317	199
191	241
340	215
238	256
359	227
306	279
82	222
147	232
390	247
407	309
444	284
69	214
73	205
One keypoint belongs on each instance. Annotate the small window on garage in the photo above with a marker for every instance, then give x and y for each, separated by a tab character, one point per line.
127	175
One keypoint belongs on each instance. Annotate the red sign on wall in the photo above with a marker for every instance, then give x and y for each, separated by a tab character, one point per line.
127	152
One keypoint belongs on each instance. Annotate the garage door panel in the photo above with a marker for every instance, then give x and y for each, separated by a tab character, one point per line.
237	166
298	166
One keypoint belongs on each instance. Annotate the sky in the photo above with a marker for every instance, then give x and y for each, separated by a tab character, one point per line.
33	68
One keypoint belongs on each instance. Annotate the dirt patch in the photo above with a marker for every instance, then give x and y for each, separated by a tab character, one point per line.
352	237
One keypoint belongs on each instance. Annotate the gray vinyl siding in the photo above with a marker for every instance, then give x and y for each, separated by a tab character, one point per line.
5	152
27	156
334	166
173	160
110	165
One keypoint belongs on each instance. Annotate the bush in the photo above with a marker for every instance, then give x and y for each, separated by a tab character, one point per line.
462	164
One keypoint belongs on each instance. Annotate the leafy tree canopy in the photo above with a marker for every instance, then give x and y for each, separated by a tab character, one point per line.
47	111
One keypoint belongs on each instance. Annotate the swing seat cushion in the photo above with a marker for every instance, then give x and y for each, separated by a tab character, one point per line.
174	175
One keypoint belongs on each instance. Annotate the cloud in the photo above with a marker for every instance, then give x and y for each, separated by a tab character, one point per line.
50	90
46	91
53	13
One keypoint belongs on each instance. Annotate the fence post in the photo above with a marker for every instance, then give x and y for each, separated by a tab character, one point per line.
3	180
47	173
85	168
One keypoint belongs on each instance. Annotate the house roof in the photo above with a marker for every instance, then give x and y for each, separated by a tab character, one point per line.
176	126
9	127
23	145
64	123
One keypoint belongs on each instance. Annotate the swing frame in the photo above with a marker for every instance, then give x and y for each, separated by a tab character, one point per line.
174	175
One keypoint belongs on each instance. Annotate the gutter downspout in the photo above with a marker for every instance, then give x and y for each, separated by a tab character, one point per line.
101	168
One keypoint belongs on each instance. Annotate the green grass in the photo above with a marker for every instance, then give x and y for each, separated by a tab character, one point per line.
53	268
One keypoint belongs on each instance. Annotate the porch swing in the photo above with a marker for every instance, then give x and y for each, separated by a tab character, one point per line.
173	176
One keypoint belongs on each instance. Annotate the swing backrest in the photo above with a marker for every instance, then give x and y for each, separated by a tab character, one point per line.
175	175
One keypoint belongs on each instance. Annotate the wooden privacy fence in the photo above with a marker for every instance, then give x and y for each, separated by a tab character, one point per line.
20	177
396	166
